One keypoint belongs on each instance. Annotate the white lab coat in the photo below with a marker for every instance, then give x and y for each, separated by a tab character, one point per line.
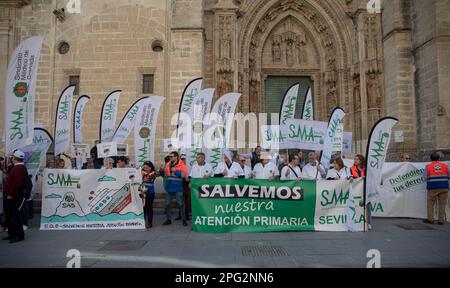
291	174
223	166
198	171
265	172
239	171
310	172
338	175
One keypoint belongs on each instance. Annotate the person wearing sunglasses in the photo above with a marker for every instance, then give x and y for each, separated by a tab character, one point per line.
241	171
406	157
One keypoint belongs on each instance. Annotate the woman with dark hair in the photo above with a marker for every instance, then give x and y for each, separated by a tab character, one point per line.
148	181
339	172
358	169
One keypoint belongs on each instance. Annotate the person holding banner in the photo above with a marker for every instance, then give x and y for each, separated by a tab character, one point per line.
227	168
242	171
174	173
201	169
266	170
338	172
292	171
108	163
438	177
313	170
122	162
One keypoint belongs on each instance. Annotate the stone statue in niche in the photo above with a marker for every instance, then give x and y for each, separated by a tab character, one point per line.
302	54
373	91
225	39
290	53
356	93
276	51
253	96
331	96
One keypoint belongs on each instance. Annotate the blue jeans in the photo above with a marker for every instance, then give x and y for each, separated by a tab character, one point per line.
180	201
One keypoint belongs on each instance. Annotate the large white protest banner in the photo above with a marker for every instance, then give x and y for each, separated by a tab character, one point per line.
376	154
289	104
145	129
19	94
91	199
334	130
308	106
186	112
63	120
78	119
127	123
217	134
109	116
36	152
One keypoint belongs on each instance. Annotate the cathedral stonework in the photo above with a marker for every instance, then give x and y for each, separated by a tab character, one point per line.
370	64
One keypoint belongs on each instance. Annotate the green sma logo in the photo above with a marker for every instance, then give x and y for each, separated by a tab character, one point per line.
20	89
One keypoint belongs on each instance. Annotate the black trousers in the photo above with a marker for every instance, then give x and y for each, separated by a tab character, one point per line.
14	218
148	208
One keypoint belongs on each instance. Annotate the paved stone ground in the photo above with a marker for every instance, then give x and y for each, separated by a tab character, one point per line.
178	246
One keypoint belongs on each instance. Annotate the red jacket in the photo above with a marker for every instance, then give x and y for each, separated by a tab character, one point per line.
15	182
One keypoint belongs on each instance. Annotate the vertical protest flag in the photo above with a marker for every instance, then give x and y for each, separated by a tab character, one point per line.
201	108
36	152
333	128
19	94
376	155
63	120
127	123
289	104
108	116
78	119
308	106
186	109
219	124
145	129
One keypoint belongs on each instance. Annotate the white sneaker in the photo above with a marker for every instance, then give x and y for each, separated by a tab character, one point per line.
25	227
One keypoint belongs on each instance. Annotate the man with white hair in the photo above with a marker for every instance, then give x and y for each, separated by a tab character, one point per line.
241	171
292	171
266	169
313	170
227	168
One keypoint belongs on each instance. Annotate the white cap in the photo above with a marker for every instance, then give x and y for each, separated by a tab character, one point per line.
19	155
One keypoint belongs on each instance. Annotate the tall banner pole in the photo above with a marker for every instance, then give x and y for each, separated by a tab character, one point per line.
376	152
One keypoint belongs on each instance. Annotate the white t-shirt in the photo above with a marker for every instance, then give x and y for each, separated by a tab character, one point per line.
265	172
198	171
338	175
291	174
237	170
310	172
222	166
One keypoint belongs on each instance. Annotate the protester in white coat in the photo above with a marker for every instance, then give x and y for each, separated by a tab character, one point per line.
265	169
292	171
313	170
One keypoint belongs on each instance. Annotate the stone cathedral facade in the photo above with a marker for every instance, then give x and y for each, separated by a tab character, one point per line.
393	62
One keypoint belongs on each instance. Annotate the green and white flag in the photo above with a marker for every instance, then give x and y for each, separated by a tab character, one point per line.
63	120
201	109
377	147
127	123
187	103
108	116
334	130
289	104
308	106
36	152
145	129
219	120
19	94
78	119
